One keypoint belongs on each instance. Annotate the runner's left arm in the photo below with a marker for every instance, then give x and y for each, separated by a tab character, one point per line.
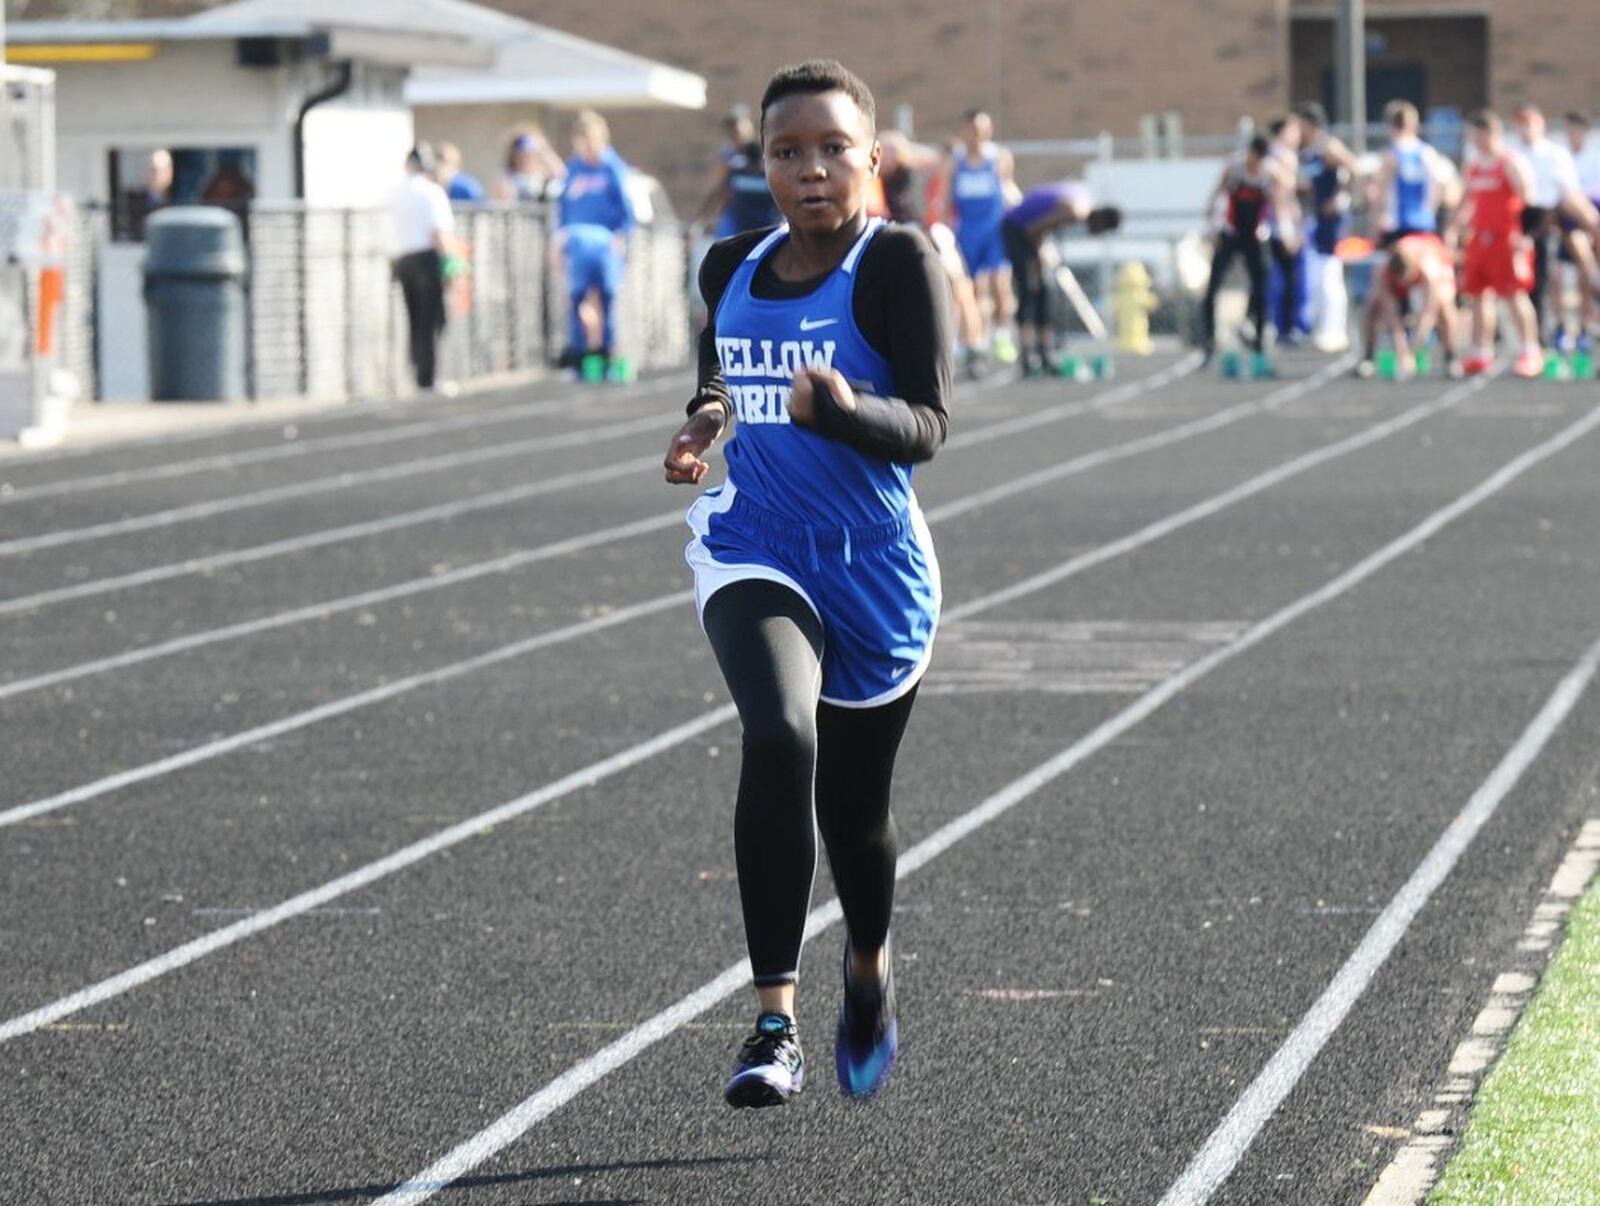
902	306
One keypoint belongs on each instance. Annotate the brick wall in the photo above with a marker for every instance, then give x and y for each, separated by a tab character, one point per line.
1047	68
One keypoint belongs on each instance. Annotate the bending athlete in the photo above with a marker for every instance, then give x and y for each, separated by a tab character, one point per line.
815	576
1041	212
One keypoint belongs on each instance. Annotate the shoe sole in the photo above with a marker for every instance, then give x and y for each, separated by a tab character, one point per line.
754	1093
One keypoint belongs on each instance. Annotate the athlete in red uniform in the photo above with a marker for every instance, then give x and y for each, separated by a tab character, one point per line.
1498	259
1419	264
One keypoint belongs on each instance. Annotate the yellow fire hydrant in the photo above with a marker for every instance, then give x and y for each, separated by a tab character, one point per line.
1132	299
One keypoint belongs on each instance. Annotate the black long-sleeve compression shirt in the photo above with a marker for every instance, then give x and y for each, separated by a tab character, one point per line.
902	307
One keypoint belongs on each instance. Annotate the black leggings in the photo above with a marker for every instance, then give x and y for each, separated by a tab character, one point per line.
807	766
1027	276
1255	262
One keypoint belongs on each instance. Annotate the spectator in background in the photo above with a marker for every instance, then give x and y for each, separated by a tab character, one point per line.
1586	155
591	237
531	166
458	186
158	178
424	230
739	198
1555	192
1326	170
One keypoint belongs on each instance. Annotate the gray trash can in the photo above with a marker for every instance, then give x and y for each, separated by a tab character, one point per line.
194	290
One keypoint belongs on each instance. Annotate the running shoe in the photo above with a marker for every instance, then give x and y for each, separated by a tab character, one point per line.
1366	369
1583	344
1453	370
770	1069
1477	364
869	1036
1004	348
1563	340
1529	364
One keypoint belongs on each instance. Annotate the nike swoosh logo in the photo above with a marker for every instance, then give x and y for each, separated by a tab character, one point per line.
807	324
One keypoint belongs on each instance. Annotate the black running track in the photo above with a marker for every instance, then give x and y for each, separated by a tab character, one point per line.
1088	982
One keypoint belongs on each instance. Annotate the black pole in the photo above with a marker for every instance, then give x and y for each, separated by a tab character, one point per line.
1350	59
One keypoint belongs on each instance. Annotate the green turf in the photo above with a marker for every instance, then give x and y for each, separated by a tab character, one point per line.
1534	1133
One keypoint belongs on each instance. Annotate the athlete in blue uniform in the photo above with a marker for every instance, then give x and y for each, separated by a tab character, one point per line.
593	222
814	573
740	199
1413	181
977	180
1326	169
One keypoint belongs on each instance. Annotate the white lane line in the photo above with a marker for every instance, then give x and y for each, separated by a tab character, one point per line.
348	480
226	745
1219	502
1160	439
292	448
328	536
322	611
362	877
504	564
1411	1174
1228	1143
137	975
443	511
195	755
540	1105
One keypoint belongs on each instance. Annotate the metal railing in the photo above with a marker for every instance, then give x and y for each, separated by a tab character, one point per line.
327	320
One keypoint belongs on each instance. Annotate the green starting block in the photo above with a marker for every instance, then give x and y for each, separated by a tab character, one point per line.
1387	362
1257	366
622	371
593	368
1099	367
1577	367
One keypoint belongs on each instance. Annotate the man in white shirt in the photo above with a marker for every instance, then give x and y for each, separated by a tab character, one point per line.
1586	155
424	233
1555	192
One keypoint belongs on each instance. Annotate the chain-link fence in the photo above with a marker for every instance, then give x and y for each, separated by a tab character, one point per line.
327	320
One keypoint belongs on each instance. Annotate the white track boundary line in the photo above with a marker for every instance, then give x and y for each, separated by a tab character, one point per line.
1227	1144
187	953
443	511
374	437
541	1104
504	564
329	536
347	480
1409	1177
230	744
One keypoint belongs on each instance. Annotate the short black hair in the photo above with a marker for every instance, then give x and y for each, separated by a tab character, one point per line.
1577	118
1278	125
815	77
1259	146
1312	113
1485	119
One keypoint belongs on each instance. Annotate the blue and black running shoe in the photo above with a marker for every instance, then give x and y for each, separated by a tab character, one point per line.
869	1036
770	1068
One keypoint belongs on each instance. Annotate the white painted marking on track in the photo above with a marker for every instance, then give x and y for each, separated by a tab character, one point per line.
338	707
276	452
315	898
1222	1151
434	514
222	746
1119	452
348	480
513	1125
503	564
1411	1174
328	536
143	972
321	611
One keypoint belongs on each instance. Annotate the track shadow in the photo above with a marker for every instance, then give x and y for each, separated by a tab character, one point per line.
361	1193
